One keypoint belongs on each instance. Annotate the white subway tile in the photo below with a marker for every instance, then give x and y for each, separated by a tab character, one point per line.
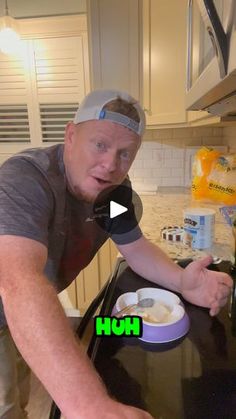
177	171
146	154
202	132
145	187
178	153
162	133
165	171
172	181
157	172
197	141
212	141
217	131
156	145
138	162
143	173
168	153
146	145
176	142
173	163
151	145
158	155
153	181
182	132
147	135
229	131
150	163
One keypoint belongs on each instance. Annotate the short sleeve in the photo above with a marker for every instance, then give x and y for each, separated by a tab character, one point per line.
125	229
26	200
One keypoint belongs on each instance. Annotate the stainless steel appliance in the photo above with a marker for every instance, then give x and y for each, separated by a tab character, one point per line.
211	64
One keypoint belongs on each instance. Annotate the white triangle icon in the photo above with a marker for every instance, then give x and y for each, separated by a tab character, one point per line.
116	209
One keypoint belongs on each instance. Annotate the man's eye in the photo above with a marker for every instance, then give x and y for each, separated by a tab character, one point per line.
125	155
100	146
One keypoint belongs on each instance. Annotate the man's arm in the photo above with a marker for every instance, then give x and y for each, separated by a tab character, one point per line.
150	262
42	333
196	283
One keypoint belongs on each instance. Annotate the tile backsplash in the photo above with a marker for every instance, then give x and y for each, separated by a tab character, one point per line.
164	156
229	136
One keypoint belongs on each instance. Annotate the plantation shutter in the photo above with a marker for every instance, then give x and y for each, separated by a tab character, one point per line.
41	89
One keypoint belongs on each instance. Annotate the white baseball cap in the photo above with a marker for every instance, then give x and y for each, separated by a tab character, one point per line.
92	108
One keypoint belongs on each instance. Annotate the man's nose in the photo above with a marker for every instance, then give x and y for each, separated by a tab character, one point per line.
110	162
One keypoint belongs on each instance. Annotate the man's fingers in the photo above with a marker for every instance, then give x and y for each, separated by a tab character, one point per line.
223	291
217	304
226	280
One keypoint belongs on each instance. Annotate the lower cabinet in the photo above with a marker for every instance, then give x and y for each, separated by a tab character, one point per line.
88	283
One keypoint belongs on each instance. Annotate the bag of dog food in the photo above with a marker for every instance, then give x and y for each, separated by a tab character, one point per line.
214	176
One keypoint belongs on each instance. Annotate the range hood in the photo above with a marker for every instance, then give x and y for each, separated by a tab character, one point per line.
211	71
226	108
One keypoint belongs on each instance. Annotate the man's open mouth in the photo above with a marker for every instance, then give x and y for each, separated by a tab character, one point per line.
102	181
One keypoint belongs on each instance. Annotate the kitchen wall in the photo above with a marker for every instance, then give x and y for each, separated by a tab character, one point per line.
164	158
229	137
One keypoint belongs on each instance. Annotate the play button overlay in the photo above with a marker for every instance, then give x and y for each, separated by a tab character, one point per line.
117	209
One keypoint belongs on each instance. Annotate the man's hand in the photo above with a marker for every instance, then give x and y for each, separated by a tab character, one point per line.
204	287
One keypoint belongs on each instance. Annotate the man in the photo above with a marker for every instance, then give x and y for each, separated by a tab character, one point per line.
46	197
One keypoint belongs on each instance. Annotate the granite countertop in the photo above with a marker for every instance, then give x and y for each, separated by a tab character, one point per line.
166	209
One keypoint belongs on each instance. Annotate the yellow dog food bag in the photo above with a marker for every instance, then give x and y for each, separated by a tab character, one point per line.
214	176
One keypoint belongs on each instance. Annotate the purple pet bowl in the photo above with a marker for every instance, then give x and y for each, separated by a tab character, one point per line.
178	324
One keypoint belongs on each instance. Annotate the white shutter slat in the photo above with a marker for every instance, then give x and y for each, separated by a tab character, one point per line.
13	78
14	124
59	67
54	118
13	92
58	70
57	83
11	64
50	62
12	85
59	76
11	72
56	91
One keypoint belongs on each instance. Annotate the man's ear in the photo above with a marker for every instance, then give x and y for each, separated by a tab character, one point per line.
69	133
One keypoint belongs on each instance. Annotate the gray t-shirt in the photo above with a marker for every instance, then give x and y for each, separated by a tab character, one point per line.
35	203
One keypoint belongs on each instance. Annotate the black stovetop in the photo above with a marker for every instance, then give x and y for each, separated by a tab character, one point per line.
192	378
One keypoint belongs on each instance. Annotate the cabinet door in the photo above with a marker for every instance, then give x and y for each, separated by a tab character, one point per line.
164	60
95	275
114	44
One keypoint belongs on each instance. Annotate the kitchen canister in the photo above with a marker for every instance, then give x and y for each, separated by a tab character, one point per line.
199	227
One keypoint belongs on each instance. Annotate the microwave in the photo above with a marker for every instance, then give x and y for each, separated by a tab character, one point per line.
211	57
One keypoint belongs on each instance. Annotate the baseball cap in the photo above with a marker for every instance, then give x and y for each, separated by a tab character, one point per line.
92	108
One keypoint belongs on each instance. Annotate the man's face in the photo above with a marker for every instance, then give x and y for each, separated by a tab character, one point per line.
98	155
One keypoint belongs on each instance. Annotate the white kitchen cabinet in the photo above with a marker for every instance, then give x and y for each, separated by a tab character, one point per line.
94	276
114	44
164	61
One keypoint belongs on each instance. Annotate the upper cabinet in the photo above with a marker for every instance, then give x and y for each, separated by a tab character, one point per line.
140	46
164	61
114	44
